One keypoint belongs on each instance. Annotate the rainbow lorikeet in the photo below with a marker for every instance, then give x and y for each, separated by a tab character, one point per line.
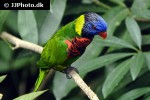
69	43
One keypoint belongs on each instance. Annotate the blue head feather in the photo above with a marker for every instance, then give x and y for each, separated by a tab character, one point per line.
94	24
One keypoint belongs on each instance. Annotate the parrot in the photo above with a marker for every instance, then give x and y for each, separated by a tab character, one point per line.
68	44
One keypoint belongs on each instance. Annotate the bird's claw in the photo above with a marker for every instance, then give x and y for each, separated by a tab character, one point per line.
67	71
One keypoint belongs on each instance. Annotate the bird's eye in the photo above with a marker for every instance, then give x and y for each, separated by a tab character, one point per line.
94	27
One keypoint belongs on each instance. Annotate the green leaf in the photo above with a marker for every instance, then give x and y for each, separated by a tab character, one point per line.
30	96
78	9
140	4
116	20
137	63
135	94
147	57
4	66
27	26
3	17
2	78
52	20
145	14
11	21
100	62
139	9
146	39
126	37
147	98
40	16
125	82
111	12
114	78
119	2
134	30
5	51
87	1
112	41
61	91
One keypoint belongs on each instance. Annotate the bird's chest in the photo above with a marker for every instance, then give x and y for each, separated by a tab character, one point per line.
77	46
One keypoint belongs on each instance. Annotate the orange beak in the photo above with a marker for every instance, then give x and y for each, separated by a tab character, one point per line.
103	34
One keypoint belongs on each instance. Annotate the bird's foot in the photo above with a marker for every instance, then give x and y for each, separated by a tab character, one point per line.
67	71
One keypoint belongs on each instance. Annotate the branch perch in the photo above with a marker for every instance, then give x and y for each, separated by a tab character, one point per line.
36	48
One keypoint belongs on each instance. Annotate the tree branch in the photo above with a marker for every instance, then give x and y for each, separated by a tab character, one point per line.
36	48
20	43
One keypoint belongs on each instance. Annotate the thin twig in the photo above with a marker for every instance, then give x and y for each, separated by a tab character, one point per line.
36	48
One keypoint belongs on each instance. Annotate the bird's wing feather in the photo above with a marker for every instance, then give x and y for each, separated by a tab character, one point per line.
54	53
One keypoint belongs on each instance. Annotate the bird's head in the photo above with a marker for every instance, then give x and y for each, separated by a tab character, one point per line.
91	24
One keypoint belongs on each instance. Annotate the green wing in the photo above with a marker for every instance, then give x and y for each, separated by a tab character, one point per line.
54	53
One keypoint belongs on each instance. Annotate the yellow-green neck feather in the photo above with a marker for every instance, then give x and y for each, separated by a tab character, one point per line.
79	23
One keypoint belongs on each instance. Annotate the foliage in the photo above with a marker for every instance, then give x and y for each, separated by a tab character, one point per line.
2	78
30	96
116	68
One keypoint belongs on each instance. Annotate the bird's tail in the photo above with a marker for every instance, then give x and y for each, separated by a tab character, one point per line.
42	74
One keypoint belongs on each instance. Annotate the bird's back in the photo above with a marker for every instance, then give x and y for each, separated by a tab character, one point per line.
55	51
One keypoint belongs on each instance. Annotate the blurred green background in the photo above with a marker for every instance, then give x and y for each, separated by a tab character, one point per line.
117	68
